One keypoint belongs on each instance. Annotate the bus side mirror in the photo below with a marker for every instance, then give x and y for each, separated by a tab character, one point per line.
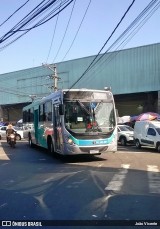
61	109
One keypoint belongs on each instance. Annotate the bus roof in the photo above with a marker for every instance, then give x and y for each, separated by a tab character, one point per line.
58	94
83	89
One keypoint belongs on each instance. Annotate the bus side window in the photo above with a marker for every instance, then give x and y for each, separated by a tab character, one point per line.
41	113
57	115
28	116
24	116
31	115
48	111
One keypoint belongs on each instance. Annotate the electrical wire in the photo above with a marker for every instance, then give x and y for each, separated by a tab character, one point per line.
20	23
20	27
65	31
53	34
14	13
124	15
44	21
77	30
40	6
133	26
20	93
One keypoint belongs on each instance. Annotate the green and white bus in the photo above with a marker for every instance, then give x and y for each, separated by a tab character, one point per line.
75	121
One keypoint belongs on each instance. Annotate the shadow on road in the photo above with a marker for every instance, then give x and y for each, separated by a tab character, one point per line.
35	186
132	148
14	153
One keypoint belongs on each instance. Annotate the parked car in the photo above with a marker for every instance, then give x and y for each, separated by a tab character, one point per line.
3	133
147	133
125	134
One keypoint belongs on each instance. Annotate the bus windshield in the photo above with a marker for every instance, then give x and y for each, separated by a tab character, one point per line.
88	117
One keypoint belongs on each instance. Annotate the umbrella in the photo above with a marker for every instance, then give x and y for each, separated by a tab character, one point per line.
134	118
147	116
124	119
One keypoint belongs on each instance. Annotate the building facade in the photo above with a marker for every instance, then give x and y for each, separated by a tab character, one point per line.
133	75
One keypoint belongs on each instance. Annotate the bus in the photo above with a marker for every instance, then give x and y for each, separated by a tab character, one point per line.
73	121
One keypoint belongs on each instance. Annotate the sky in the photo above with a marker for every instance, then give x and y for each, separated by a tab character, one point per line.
41	44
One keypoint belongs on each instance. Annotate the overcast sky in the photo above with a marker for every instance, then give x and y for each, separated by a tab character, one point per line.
102	16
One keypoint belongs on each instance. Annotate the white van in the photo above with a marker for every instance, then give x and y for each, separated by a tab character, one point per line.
147	133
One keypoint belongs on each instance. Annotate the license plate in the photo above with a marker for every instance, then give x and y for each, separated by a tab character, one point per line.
94	151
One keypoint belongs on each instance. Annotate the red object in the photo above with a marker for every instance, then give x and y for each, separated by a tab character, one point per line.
89	125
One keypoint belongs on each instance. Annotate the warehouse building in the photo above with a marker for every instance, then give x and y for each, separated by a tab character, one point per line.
133	75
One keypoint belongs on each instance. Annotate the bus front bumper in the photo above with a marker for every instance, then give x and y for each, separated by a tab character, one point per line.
94	150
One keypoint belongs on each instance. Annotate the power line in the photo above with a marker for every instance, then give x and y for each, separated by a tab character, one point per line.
133	26
9	90
141	16
104	44
53	33
47	18
21	23
29	18
77	30
65	31
14	13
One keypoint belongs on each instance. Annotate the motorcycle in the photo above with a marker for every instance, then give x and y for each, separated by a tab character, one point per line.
12	140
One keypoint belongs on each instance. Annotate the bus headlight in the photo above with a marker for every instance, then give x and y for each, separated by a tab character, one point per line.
70	141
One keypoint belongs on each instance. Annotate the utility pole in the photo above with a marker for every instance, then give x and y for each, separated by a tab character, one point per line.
33	97
54	76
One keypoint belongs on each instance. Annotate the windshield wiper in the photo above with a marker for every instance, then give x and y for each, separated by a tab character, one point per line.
98	107
93	128
83	107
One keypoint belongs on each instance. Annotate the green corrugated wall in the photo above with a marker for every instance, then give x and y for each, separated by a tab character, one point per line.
126	71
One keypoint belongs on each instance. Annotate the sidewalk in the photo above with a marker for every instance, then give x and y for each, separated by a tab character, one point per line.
3	155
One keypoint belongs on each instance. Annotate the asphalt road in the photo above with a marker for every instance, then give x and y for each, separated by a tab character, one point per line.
113	186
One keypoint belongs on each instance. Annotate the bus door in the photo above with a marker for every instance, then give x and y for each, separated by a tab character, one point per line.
36	125
57	126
